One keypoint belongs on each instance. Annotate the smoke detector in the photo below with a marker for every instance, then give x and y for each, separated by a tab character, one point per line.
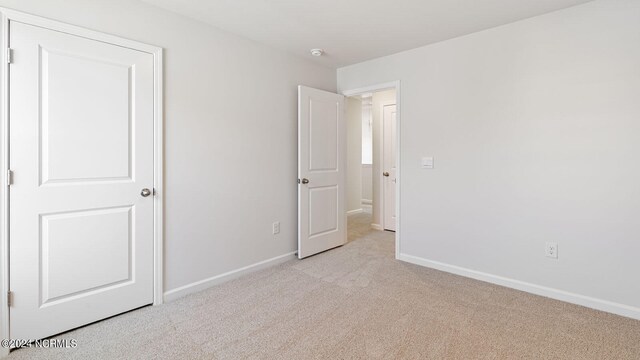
317	52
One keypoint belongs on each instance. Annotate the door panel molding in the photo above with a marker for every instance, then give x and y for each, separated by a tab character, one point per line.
6	17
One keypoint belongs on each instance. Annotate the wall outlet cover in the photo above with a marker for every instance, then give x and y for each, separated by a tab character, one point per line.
551	250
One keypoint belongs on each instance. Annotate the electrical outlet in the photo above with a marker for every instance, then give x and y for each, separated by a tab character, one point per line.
551	250
276	227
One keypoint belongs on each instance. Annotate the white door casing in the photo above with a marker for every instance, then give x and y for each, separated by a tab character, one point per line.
321	171
81	150
389	168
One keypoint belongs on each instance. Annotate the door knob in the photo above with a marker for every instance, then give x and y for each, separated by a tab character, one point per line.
305	181
385	173
145	192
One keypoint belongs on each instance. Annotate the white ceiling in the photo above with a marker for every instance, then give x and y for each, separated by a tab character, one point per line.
352	31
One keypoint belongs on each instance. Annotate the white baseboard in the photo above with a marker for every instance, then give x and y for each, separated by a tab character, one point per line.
354	212
377	227
590	302
219	279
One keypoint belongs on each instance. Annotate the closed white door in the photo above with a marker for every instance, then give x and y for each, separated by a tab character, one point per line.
389	166
81	151
321	171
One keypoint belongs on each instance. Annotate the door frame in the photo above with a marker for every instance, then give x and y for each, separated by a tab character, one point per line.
8	15
376	88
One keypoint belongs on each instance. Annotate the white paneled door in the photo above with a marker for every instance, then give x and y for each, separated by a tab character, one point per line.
389	148
321	171
81	202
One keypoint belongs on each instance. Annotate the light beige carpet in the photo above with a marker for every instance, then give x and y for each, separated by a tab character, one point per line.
355	302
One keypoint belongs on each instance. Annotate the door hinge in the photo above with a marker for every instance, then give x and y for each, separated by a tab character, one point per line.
10	298
9	177
9	55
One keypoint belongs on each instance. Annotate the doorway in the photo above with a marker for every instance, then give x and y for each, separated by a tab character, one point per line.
372	118
331	168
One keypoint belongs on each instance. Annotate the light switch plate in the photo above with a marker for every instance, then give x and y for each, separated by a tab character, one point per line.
427	162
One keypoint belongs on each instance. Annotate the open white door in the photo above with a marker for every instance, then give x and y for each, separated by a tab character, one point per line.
81	203
389	148
321	171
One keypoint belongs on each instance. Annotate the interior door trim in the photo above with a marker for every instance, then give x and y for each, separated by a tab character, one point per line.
7	16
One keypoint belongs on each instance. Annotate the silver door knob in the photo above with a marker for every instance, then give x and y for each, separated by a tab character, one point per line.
305	181
145	192
385	173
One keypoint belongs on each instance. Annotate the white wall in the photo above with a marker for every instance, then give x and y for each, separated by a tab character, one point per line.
367	154
535	131
367	184
230	134
367	132
379	99
353	117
